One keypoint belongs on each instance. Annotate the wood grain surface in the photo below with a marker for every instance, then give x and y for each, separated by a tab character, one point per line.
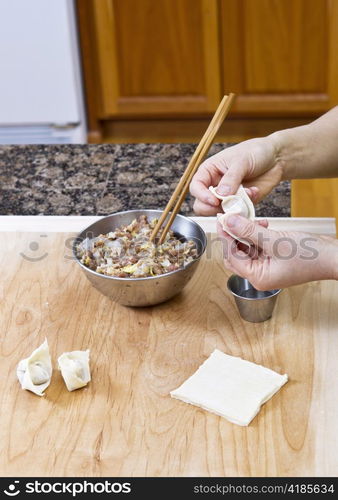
125	423
154	56
271	59
314	198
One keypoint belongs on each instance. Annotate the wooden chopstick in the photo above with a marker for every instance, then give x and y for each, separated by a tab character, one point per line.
182	187
186	172
203	152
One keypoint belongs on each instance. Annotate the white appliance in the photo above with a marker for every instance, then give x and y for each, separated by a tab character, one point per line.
41	96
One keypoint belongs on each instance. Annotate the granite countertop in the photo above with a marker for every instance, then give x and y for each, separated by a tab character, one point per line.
99	179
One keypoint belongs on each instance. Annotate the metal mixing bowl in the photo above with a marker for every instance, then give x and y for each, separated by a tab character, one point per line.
142	292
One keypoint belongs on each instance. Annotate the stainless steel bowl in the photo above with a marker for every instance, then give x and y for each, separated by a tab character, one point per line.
140	292
253	305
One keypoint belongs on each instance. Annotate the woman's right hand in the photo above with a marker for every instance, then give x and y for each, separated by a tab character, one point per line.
253	163
277	259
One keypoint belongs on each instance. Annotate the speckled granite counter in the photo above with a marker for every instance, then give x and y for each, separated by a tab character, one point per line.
101	179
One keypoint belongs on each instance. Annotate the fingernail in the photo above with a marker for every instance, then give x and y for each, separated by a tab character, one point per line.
223	190
232	220
211	200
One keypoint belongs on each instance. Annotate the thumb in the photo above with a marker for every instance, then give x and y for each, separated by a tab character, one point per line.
251	231
232	179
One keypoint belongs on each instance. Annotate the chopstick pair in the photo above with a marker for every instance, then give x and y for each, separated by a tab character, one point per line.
182	188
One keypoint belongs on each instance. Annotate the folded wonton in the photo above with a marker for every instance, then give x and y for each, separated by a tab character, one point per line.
74	368
239	203
34	373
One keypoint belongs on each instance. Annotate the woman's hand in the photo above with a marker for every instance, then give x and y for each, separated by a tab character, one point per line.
278	259
305	152
252	163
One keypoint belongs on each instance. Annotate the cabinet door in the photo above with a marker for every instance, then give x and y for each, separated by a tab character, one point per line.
157	56
280	56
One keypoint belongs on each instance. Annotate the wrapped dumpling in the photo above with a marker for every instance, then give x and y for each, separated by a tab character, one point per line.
74	367
239	204
34	373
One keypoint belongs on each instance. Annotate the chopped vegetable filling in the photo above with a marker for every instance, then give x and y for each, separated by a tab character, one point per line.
128	252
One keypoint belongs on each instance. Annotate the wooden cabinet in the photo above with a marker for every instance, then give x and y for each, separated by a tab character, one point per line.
280	56
154	56
174	59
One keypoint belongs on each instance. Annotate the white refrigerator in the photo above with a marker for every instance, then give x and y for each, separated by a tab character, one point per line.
41	94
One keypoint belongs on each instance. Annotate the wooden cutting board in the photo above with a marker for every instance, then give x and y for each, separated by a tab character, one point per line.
125	423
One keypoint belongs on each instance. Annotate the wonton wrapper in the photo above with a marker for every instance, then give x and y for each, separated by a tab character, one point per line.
34	373
239	204
230	387
74	367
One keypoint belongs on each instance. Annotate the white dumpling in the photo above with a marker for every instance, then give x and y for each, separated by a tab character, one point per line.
74	367
239	203
34	373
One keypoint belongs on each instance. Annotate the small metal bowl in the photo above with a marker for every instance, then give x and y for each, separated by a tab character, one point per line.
141	292
253	305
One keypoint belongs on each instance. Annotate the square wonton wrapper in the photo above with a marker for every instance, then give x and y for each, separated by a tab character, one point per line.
230	387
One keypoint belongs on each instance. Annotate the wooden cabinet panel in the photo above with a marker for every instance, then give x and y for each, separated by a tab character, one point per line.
157	56
156	45
315	198
285	51
158	59
279	56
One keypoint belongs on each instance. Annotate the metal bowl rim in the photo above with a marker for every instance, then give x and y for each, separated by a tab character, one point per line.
275	291
128	280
